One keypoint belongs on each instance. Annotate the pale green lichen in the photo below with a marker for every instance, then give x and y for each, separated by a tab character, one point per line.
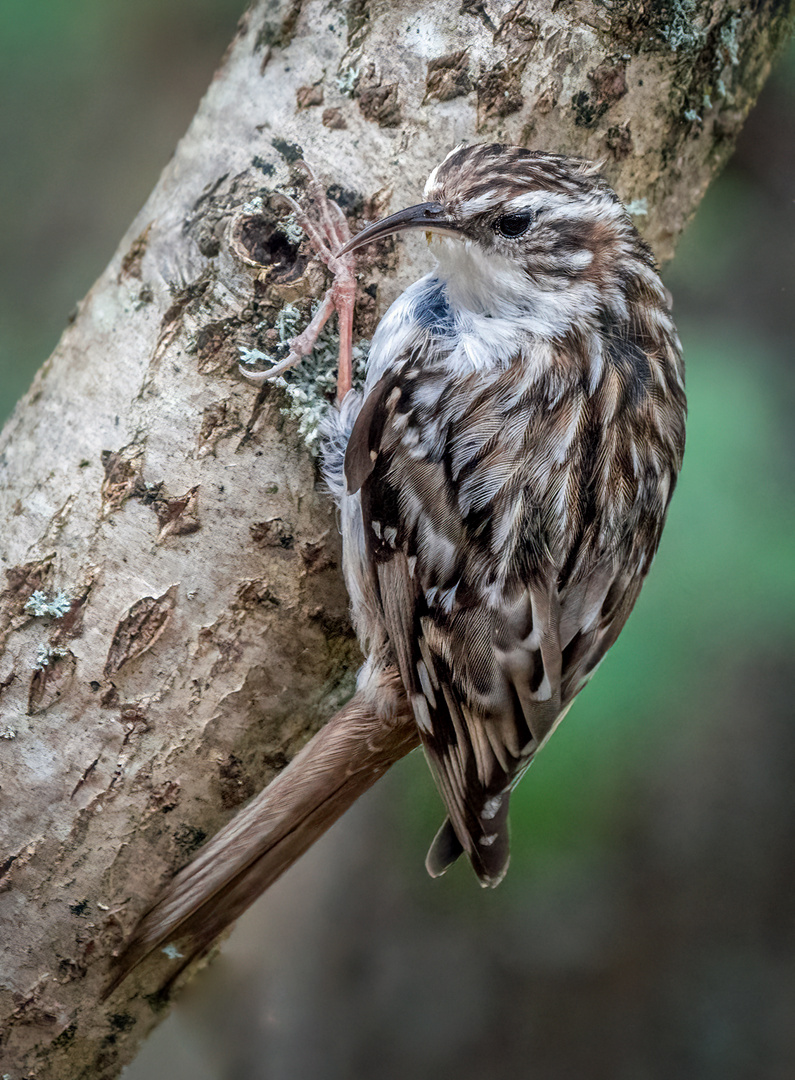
45	654
288	323
310	387
638	208
253	206
692	116
172	952
728	39
681	33
292	230
40	605
346	80
253	356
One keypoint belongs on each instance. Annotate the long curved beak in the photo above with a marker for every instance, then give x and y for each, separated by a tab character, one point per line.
429	216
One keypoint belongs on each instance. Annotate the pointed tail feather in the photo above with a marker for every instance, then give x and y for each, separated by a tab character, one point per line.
444	851
338	765
489	860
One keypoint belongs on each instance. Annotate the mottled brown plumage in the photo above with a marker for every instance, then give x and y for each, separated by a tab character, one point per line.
509	471
503	482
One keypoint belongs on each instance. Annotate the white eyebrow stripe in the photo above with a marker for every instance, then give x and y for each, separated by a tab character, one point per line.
562	205
528	200
482	203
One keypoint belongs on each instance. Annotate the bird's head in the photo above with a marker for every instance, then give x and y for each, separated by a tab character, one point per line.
522	228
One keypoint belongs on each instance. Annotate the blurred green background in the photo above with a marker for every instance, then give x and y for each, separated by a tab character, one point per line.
647	926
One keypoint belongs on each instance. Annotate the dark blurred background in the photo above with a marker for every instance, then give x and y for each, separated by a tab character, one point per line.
646	927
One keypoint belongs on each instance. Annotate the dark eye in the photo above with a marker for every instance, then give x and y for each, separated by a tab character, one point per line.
513	225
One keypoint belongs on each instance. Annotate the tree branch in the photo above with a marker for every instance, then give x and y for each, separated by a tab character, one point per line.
172	613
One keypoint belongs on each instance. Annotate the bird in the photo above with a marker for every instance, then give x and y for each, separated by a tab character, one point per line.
502	479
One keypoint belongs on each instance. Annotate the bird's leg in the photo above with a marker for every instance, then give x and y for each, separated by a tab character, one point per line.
327	229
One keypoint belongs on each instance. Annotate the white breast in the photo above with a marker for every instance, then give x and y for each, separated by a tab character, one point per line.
476	312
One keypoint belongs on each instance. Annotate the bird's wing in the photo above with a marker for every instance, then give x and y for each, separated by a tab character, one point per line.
497	598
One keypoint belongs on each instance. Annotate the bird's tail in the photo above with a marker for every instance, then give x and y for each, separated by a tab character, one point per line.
338	765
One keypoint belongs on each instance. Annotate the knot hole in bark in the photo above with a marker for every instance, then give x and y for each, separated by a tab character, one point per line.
263	241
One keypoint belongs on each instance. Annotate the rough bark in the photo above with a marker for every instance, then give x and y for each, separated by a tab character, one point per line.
171	507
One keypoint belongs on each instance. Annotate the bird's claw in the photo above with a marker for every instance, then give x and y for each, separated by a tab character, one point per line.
276	369
327	230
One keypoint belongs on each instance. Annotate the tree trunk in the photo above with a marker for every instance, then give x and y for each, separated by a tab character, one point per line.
173	618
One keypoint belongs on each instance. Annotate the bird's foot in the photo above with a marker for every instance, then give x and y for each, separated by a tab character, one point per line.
327	230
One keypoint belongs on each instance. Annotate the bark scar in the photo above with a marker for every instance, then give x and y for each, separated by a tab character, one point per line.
140	628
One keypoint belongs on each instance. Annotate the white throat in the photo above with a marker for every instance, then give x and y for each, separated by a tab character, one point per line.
483	284
478	312
482	287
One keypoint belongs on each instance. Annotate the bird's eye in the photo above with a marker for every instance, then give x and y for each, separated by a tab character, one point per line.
513	225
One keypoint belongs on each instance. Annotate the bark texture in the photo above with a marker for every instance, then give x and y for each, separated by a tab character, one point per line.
172	616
